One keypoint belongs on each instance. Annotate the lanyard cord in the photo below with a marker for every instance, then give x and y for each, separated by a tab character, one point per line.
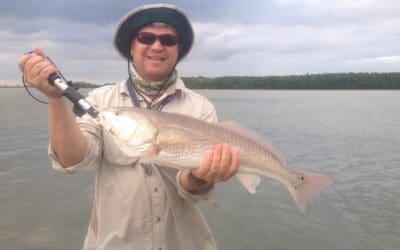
136	102
132	89
27	90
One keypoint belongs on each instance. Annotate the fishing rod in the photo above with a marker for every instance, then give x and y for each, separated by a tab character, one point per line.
67	88
81	106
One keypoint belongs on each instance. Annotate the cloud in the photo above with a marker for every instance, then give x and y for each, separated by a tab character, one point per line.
232	38
233	47
99	11
84	50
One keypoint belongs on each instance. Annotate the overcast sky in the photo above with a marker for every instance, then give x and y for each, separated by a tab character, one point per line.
253	37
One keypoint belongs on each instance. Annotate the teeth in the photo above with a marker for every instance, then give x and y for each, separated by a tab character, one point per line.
156	58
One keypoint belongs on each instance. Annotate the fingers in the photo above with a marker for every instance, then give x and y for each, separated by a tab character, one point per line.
205	166
215	164
225	161
220	164
39	51
22	61
233	167
33	67
42	70
35	64
27	56
36	69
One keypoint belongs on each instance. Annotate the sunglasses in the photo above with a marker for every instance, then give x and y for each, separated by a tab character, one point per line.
149	38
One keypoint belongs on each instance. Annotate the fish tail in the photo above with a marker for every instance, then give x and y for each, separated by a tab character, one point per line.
308	186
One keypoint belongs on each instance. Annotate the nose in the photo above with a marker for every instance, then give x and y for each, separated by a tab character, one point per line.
157	45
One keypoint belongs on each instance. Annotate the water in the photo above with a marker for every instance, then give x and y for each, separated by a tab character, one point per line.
352	135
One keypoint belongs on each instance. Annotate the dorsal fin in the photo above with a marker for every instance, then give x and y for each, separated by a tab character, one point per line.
239	129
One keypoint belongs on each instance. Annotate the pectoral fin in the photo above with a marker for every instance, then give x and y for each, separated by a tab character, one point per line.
150	154
249	181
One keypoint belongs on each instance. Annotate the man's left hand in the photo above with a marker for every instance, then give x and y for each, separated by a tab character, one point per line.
219	164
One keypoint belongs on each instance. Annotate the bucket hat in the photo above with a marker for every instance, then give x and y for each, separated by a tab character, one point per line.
135	19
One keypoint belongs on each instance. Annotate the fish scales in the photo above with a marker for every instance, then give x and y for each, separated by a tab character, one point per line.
187	134
179	141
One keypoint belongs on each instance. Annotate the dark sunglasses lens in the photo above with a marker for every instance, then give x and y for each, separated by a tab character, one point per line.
168	40
150	38
146	38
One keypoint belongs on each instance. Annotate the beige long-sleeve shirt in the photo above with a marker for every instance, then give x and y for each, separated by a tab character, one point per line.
138	207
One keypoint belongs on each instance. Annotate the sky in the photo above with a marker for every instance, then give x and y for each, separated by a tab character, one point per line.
232	37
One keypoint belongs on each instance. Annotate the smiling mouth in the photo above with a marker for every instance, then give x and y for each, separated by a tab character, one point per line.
155	58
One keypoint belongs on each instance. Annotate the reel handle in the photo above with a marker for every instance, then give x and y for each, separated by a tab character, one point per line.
81	106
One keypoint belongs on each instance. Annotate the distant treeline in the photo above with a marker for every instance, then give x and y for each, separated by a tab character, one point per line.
308	81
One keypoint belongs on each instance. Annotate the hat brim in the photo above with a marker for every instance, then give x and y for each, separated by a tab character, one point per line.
148	14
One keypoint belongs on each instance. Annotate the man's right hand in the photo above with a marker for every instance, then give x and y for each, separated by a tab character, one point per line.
36	69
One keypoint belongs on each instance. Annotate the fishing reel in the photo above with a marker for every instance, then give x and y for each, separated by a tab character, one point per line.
81	106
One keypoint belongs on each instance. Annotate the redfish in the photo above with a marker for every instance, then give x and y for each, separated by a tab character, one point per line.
179	141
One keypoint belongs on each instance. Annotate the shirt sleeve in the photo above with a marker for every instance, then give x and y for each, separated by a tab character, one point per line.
208	113
89	162
92	132
208	195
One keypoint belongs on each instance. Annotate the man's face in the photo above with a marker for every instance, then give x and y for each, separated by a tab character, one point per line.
154	61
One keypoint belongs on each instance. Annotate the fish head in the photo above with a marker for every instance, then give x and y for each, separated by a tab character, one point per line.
133	133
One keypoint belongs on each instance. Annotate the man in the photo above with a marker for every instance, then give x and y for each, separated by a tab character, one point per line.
138	206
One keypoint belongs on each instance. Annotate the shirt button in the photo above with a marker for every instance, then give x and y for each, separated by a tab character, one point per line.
158	219
155	189
159	248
